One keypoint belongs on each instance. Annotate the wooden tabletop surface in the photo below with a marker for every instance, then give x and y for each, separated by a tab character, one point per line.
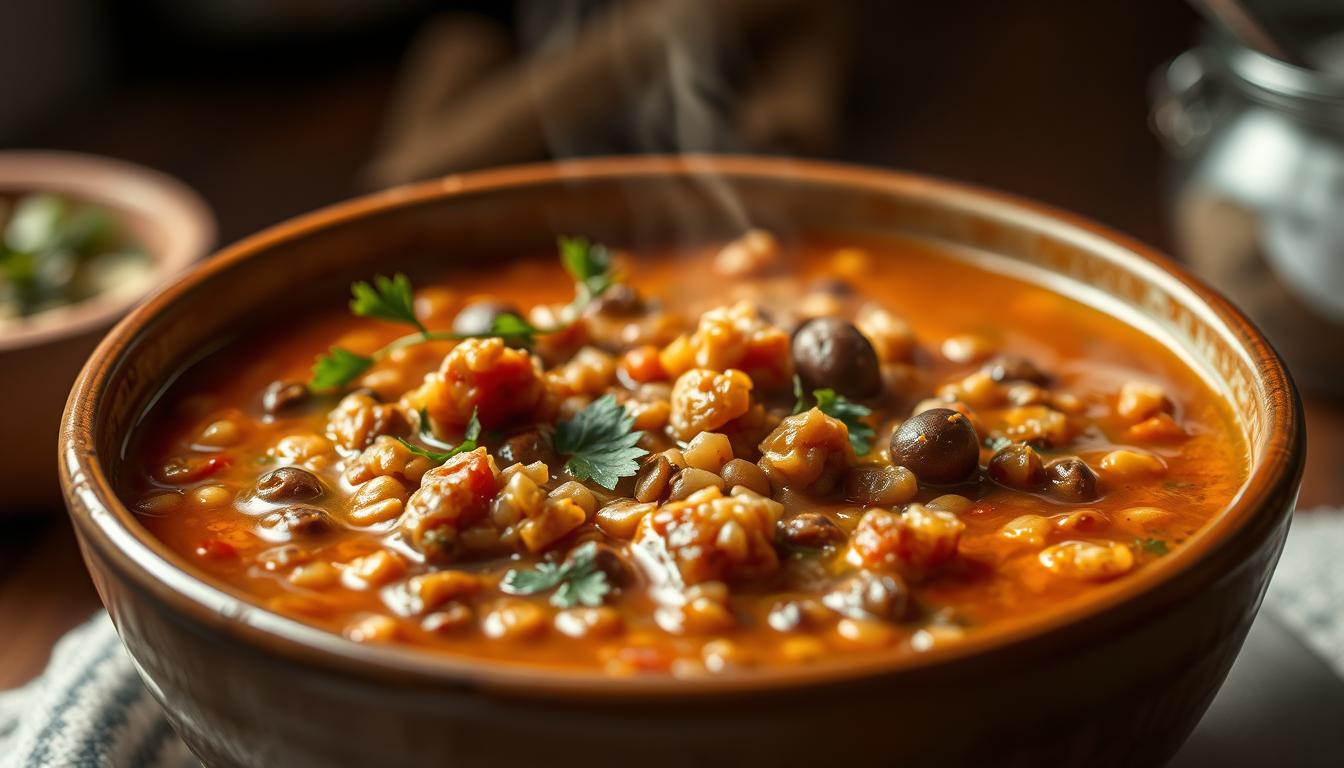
265	149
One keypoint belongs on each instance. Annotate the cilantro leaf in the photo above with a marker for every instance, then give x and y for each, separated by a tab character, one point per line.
600	443
389	298
1152	546
469	440
509	325
337	368
586	588
577	581
590	266
529	582
851	414
799	398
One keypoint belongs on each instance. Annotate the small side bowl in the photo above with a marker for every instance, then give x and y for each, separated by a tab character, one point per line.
1117	677
42	356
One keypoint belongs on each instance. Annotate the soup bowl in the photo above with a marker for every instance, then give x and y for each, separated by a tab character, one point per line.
1120	677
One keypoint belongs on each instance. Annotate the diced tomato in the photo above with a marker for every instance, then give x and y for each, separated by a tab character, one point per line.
473	472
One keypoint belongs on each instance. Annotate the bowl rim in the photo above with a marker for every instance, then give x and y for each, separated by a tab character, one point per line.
128	189
107	526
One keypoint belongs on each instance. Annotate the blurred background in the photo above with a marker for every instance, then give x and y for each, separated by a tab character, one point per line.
272	108
1129	112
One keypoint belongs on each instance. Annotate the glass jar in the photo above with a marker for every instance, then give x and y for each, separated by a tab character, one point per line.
1257	149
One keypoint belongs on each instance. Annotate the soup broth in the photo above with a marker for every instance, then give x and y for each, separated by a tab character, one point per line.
688	463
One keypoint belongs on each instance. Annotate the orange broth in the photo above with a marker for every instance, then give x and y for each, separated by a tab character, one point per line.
991	576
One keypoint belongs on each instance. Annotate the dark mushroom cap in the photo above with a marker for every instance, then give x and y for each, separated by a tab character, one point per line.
829	352
1017	465
285	484
298	520
1071	479
939	445
281	395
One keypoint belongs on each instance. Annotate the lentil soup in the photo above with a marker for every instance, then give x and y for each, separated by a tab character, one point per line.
689	463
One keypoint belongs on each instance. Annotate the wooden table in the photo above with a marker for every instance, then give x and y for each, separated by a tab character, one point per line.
1059	115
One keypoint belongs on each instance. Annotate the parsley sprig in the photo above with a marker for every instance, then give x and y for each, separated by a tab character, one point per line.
469	440
577	581
841	408
388	298
337	368
600	443
392	299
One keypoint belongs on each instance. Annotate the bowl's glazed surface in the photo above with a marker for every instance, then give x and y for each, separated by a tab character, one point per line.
1120	679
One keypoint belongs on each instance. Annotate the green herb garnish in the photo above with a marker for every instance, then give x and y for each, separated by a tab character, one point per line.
337	368
510	326
388	298
851	414
600	442
469	438
590	266
1152	546
577	581
391	299
839	407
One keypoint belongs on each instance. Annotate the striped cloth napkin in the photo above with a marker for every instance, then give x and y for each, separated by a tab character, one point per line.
90	710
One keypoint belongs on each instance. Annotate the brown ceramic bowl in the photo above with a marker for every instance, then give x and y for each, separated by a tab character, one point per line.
1118	678
41	357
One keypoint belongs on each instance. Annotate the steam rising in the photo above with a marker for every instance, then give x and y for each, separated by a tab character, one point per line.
670	88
